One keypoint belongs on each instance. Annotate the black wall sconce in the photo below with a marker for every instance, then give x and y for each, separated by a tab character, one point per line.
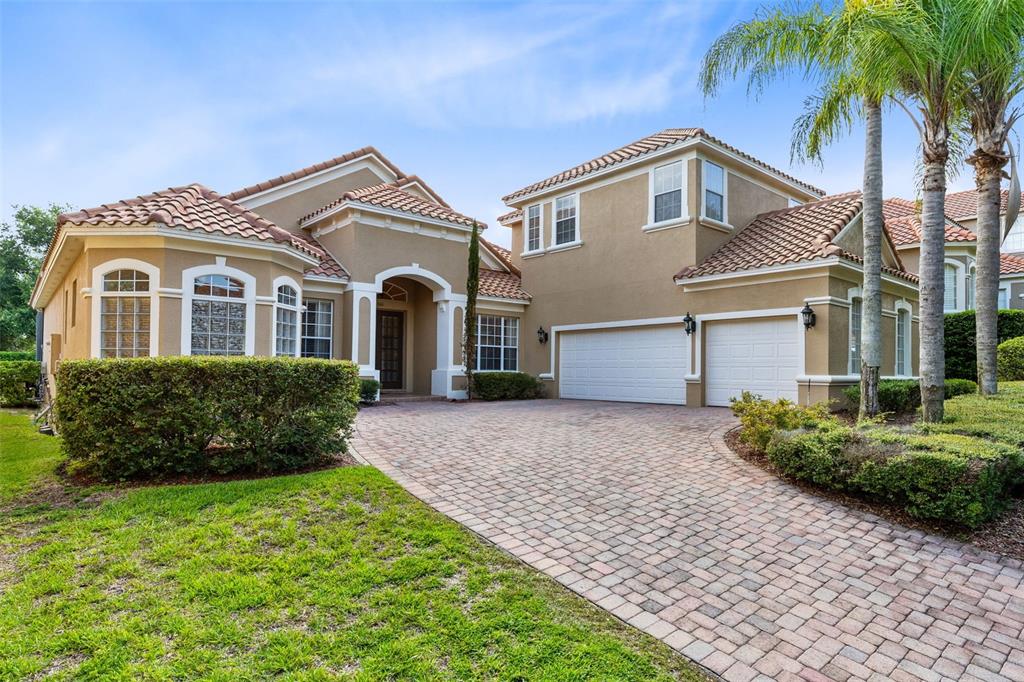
808	316
689	324
542	335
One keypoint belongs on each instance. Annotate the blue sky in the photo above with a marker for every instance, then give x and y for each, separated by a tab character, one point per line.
104	101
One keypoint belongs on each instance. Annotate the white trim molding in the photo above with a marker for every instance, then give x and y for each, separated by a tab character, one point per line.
188	277
695	357
98	273
908	343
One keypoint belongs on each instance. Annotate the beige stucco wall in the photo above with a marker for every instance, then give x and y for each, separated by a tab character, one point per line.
287	211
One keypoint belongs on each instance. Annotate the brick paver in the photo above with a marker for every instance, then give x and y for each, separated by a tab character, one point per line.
644	510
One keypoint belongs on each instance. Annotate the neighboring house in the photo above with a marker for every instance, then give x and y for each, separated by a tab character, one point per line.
620	252
350	258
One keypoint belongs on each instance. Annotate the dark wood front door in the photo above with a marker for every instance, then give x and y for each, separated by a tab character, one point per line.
390	347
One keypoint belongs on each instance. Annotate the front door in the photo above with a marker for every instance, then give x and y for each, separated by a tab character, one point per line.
390	347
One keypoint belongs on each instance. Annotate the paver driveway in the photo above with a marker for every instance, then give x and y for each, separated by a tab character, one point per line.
645	511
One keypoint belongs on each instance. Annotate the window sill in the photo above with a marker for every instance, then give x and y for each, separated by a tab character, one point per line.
565	247
711	222
666	224
532	254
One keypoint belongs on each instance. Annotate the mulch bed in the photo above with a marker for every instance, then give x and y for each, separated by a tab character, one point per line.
1003	535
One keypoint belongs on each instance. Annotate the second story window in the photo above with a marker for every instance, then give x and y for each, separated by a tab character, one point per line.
565	220
714	191
533	238
668	192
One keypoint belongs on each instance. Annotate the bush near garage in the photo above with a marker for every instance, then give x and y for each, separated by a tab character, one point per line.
961	353
759	418
900	396
1010	360
18	379
506	386
146	418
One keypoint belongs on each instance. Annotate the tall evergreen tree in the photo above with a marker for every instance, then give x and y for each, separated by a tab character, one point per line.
472	287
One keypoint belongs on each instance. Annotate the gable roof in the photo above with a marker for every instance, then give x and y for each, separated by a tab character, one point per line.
511	218
502	254
1010	265
964	205
790	235
907	230
639	148
501	285
391	196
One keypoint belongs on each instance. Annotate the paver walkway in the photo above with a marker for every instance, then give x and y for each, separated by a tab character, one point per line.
645	511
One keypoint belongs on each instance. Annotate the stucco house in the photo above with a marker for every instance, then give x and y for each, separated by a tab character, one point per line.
676	269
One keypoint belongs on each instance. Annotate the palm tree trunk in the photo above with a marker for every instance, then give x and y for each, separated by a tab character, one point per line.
933	243
988	175
871	325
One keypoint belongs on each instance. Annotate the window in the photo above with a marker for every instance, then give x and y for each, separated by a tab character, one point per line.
565	219
125	314
1014	242
856	307
218	317
969	286
949	302
714	191
286	321
533	236
497	344
903	342
317	322
74	303
1004	299
668	192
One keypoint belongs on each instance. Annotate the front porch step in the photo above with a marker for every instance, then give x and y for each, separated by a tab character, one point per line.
386	397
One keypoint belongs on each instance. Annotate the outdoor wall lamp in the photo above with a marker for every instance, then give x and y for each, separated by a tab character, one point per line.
689	324
542	335
808	316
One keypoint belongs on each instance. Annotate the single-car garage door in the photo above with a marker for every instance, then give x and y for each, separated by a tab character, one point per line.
635	364
761	356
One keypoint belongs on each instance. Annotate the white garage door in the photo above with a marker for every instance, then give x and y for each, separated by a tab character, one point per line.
635	364
761	356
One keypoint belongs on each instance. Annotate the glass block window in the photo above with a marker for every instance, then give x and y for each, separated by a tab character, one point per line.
856	311
125	312
565	219
668	192
497	344
286	321
533	237
714	191
218	322
317	322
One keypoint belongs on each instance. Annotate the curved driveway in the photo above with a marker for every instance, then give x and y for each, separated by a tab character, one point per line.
644	510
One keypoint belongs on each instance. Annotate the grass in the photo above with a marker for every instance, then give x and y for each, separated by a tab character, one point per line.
25	457
338	574
997	418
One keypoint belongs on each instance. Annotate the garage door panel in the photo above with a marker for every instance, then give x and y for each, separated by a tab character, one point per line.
638	364
760	356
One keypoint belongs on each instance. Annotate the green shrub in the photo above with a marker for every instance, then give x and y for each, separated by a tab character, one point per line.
961	354
1010	360
18	379
506	386
900	396
16	355
154	417
369	389
811	455
760	419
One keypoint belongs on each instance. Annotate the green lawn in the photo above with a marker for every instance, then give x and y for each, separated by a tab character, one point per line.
335	574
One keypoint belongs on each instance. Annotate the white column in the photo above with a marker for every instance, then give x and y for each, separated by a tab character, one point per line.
361	291
441	377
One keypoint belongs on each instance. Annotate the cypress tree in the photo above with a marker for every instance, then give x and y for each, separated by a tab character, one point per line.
472	286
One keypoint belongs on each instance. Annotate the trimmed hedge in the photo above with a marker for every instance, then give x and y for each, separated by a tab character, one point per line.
18	379
165	416
961	354
900	396
368	391
759	418
17	355
1010	360
506	386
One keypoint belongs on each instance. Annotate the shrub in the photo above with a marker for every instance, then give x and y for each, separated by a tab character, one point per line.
369	389
17	355
17	382
760	418
900	396
154	417
506	386
1010	360
814	455
961	355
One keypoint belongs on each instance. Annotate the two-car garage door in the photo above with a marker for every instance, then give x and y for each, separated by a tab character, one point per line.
757	355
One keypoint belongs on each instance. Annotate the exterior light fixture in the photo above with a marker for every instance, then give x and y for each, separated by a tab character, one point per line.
808	316
689	324
542	336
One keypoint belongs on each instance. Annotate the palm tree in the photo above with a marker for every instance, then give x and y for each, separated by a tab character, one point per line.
996	78
817	42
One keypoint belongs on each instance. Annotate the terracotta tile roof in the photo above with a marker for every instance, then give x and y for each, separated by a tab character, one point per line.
792	235
502	254
643	146
962	205
907	230
390	196
501	285
316	168
1011	265
897	208
511	218
408	180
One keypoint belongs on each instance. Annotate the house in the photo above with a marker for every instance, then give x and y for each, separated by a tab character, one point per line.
676	269
350	258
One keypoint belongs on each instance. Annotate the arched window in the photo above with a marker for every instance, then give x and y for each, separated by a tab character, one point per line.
125	314
219	314
286	321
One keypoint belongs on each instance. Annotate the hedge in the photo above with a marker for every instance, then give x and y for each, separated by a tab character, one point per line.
18	379
165	416
506	386
369	389
16	355
900	396
961	357
1010	360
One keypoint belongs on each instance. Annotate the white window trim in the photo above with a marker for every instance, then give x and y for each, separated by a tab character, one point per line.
578	239
330	339
285	280
970	287
99	272
852	293
908	350
652	225
188	278
519	329
527	251
1003	289
725	194
961	285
